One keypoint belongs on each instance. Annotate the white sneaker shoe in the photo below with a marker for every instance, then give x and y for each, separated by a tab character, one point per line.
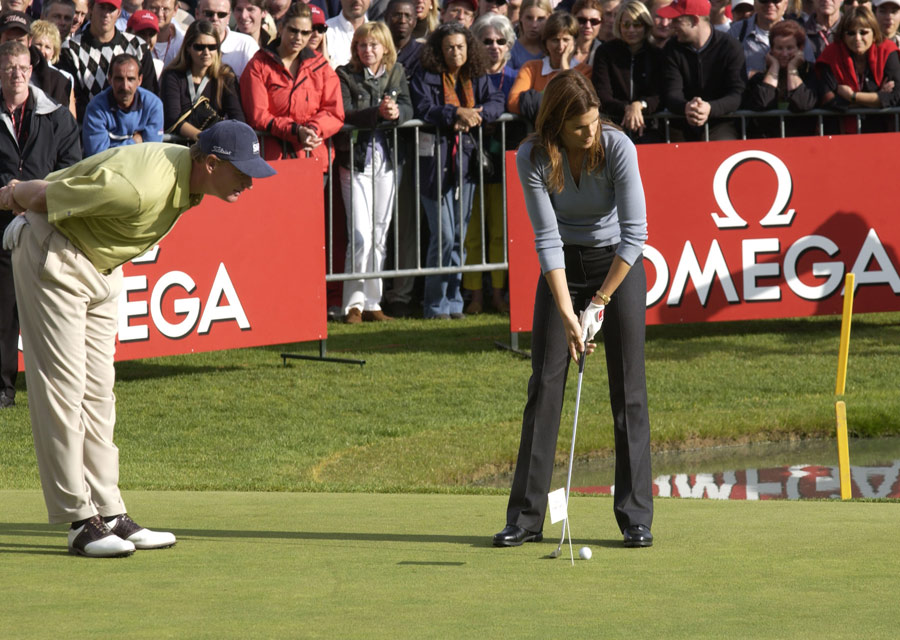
142	538
94	539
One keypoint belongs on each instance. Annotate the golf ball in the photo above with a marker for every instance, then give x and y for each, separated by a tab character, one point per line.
585	553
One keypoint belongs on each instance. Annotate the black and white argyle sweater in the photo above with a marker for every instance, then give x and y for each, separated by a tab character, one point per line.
88	59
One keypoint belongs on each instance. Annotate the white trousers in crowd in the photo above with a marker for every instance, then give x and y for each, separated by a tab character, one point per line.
369	202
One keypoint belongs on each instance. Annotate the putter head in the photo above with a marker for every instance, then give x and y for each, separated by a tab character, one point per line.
556	553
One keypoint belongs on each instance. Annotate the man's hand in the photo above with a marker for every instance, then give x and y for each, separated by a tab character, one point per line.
697	112
591	320
7	200
137	137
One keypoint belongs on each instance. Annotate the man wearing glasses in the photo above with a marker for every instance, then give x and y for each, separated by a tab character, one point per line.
87	55
168	42
753	33
237	48
37	136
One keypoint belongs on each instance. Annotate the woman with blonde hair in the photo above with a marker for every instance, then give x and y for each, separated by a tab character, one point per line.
56	83
375	92
532	16
584	196
197	88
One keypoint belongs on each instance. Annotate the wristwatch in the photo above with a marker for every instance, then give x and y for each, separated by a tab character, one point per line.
603	297
643	104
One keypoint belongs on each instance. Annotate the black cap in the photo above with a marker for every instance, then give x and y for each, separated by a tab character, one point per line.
15	20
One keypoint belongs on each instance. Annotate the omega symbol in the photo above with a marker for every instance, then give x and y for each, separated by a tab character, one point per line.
778	216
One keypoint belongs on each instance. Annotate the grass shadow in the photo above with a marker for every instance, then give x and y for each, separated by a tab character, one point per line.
157	369
331	536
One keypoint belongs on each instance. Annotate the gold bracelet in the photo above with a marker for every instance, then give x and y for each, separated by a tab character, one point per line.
603	297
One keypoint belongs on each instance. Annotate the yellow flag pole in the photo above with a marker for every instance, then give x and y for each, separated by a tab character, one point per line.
840	410
845	335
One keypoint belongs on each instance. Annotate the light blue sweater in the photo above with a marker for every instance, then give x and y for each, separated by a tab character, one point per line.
106	125
605	209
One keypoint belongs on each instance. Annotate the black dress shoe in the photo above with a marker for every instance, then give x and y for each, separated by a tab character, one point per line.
6	402
638	535
514	536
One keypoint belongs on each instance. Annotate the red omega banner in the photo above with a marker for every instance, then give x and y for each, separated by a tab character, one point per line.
751	229
234	275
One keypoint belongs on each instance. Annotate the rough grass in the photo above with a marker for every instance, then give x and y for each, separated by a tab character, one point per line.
437	406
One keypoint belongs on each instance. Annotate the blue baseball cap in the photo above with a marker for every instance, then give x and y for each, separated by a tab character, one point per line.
236	143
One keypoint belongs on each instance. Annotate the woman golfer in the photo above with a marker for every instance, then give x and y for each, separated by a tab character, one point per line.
585	200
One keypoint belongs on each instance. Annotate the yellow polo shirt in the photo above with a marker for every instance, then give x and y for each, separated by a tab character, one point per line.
116	205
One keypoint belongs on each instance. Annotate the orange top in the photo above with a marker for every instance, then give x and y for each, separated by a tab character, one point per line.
530	77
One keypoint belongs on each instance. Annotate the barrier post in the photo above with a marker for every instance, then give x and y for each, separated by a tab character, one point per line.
840	410
845	335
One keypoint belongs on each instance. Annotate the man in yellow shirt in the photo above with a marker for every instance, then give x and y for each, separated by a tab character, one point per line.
74	231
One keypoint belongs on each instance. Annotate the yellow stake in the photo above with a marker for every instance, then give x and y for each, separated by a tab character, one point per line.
845	335
840	409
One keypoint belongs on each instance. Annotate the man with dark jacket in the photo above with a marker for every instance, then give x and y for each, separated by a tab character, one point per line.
15	25
88	54
703	75
37	136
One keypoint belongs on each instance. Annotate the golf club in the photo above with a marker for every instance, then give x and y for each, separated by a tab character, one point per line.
565	528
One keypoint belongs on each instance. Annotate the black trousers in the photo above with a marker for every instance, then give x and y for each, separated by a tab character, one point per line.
9	326
623	330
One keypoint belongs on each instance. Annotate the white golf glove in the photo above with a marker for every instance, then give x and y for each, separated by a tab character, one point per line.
13	232
591	320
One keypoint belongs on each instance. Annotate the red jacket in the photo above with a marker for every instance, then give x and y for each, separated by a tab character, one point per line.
275	102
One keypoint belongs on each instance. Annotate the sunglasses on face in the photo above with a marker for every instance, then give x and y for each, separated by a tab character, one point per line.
769	1
854	3
499	41
632	25
595	22
221	15
320	28
199	48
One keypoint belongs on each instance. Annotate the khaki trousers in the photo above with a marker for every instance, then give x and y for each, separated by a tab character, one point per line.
68	312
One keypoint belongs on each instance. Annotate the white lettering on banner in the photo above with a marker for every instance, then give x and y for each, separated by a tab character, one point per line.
222	288
702	278
778	215
873	250
188	307
833	271
132	309
873	265
754	270
705	483
222	303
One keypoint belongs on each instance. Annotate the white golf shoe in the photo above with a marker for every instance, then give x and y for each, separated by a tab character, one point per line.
94	539
141	538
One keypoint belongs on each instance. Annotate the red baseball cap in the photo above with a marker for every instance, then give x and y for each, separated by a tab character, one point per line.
318	16
116	3
684	8
471	3
142	20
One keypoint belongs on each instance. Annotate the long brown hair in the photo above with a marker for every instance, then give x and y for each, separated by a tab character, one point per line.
219	73
567	95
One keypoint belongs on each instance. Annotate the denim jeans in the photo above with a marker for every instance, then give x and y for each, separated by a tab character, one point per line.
442	292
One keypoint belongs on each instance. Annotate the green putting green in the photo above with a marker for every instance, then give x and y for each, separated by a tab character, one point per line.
317	565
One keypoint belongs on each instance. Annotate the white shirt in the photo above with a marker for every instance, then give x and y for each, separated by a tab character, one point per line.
165	52
338	39
237	49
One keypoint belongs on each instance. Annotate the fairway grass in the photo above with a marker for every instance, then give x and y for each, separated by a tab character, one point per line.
318	565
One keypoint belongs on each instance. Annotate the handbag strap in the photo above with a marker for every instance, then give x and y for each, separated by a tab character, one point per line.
196	92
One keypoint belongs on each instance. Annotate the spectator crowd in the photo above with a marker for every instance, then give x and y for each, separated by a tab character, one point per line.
96	74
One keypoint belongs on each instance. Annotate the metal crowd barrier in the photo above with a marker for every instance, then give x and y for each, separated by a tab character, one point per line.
783	114
412	130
